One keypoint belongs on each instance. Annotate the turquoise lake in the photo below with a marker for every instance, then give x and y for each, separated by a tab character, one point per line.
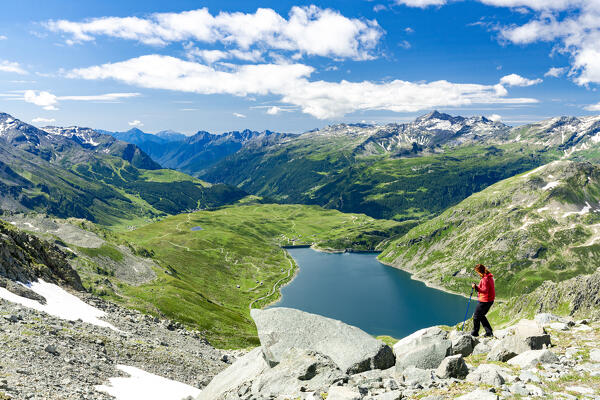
358	290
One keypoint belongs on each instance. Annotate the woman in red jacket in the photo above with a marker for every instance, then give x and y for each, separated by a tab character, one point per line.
487	294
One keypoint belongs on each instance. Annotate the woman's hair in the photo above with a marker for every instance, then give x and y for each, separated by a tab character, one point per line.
482	269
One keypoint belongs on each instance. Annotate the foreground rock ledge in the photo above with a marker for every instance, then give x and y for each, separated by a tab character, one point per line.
351	349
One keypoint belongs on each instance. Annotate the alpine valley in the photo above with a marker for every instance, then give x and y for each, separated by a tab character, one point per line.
175	246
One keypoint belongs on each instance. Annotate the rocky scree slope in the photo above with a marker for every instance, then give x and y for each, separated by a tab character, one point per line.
25	258
45	357
548	357
538	226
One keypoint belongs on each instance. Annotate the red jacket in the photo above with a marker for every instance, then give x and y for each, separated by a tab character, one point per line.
486	289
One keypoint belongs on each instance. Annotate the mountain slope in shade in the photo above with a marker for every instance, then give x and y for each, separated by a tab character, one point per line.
99	143
538	226
78	172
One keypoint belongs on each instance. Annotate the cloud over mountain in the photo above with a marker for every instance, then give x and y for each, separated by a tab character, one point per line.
320	99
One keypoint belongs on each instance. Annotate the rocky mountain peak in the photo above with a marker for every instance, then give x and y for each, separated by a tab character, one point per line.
435	114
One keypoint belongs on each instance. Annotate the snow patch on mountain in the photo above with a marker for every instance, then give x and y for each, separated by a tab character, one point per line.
144	385
59	303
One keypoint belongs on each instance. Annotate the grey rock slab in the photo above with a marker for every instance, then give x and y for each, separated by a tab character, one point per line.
488	374
483	347
299	371
533	357
244	369
479	394
463	344
423	349
595	355
342	393
413	376
352	349
452	367
559	326
527	376
500	353
393	395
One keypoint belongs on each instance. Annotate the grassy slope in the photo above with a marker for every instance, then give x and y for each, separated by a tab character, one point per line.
519	226
238	245
315	171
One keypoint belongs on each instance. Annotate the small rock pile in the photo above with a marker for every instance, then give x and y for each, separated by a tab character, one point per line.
306	356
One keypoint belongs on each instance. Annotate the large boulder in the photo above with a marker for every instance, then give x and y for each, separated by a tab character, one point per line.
489	374
414	377
342	393
527	335
250	377
424	349
298	371
532	333
351	349
245	369
532	358
452	367
462	343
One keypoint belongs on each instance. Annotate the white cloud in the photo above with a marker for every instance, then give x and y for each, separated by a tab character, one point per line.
555	72
518	80
43	120
2	37
536	4
308	30
8	66
421	3
165	72
577	32
405	44
495	117
238	115
273	110
593	107
43	99
321	99
50	101
379	7
212	56
136	123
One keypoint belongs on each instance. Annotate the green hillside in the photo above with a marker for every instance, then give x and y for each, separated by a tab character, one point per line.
197	272
538	226
380	186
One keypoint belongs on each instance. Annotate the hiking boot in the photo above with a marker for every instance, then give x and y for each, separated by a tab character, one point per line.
489	334
474	334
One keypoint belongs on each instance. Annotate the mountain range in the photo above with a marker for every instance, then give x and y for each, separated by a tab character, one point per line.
79	172
195	153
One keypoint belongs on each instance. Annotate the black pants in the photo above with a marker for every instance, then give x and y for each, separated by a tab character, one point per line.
479	318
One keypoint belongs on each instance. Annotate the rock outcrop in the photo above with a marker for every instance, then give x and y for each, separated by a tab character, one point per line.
352	350
25	258
423	349
296	364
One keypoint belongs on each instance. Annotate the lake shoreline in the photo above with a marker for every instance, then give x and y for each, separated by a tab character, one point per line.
427	283
349	283
341	251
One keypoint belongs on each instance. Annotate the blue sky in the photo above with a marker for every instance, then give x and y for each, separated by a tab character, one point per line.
294	66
